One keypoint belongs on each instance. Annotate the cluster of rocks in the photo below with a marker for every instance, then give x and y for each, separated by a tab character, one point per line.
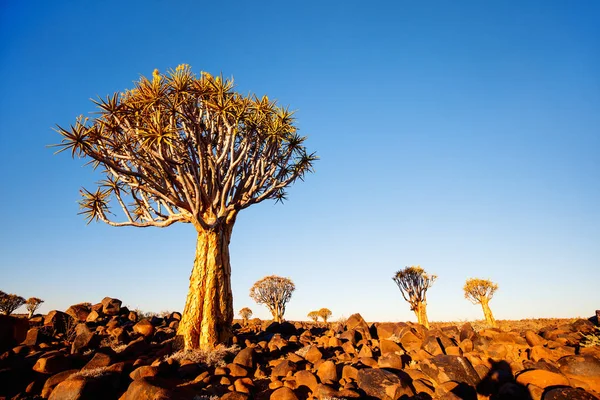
103	351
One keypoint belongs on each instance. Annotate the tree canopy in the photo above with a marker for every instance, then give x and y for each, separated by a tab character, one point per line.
479	290
274	292
183	148
413	283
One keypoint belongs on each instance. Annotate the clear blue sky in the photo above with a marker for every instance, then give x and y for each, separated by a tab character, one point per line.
461	136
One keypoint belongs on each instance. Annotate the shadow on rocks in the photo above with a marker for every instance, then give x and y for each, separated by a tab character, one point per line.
500	383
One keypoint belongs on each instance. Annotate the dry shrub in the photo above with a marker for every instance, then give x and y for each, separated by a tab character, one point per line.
91	373
212	358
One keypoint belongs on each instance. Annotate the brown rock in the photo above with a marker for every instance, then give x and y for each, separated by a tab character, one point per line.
410	341
357	323
35	337
52	364
59	321
99	360
568	393
327	372
245	358
79	312
542	378
143	372
306	378
144	328
584	368
111	306
533	339
390	361
387	346
349	372
54	380
325	392
382	384
236	370
235	396
313	355
71	389
283	393
84	339
145	389
444	368
283	368
93	316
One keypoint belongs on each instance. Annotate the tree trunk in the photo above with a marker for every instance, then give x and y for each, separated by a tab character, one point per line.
31	314
487	312
208	313
421	313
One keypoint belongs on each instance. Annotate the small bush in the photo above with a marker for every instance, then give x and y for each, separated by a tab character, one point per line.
591	339
213	358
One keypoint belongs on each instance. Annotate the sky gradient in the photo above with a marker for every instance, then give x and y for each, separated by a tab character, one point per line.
462	137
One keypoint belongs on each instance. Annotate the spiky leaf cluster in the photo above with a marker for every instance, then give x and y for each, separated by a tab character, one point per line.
413	283
10	302
187	148
479	290
274	292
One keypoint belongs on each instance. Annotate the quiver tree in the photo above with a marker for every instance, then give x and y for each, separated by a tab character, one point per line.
10	302
314	315
481	291
274	292
245	313
413	283
324	313
32	304
183	148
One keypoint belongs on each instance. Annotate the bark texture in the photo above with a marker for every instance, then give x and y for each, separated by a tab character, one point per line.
487	312
208	312
421	313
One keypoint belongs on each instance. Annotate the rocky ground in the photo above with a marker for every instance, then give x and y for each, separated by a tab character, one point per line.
103	351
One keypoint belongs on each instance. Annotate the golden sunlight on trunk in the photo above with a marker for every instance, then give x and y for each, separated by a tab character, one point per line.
421	313
208	313
487	312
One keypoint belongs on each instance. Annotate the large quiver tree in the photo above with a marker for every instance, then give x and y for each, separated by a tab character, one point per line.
182	148
481	291
274	292
413	283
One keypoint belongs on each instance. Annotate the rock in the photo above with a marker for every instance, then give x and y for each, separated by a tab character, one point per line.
102	385
386	330
313	355
54	380
306	378
444	368
59	321
145	389
236	370
144	328
245	358
234	396
111	306
584	368
283	393
13	330
99	360
390	361
325	392
382	384
93	316
542	378
84	339
52	364
387	346
283	368
467	332
284	328
143	372
327	372
533	339
410	341
567	393
357	323
432	345
349	372
79	312
35	337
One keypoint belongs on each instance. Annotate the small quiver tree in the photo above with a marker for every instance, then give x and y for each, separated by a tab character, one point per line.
189	149
274	292
413	283
325	314
245	313
10	302
32	304
481	291
314	315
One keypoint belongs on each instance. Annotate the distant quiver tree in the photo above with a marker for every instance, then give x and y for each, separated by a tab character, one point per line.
413	283
325	314
183	148
274	292
10	302
245	313
314	315
481	291
32	304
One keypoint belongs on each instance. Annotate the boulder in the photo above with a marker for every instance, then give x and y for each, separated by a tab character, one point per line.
444	368
567	393
79	312
283	393
327	372
542	378
383	384
245	358
306	378
59	321
283	368
52	363
35	337
144	328
584	368
54	380
111	306
85	339
357	323
13	330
